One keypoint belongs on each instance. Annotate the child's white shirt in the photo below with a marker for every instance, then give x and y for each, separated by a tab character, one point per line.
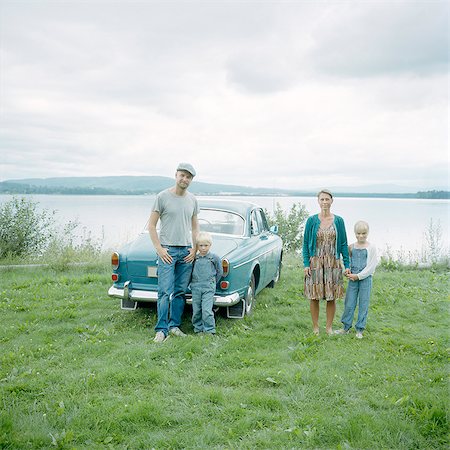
372	261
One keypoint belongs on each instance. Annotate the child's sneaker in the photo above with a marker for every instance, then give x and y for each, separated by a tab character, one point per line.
359	335
342	331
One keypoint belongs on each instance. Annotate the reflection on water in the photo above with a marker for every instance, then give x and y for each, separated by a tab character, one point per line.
400	224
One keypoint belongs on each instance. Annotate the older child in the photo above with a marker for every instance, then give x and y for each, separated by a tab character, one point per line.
363	257
205	276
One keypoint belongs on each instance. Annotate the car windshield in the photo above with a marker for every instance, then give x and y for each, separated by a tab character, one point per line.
222	222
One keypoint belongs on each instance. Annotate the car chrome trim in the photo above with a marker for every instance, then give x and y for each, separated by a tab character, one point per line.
209	208
126	293
252	259
134	295
152	296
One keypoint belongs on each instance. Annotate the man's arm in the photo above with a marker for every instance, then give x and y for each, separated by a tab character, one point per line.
195	230
162	252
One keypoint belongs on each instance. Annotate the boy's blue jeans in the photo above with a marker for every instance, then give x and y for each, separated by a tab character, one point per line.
173	280
202	306
358	292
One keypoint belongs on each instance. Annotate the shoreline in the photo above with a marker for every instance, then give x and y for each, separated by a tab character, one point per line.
404	196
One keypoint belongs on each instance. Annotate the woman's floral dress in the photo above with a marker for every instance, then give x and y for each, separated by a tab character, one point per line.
326	280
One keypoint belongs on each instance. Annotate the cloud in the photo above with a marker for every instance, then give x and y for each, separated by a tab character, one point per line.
284	94
372	39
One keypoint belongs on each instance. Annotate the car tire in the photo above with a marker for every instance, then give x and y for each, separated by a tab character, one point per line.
276	279
250	296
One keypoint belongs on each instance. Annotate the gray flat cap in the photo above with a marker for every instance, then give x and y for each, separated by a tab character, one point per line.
187	167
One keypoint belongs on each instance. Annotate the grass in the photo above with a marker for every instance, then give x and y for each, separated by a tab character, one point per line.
77	372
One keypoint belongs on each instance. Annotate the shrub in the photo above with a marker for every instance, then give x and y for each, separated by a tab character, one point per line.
290	225
24	231
434	253
434	250
68	247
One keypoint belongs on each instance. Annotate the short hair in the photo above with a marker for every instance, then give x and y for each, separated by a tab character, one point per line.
361	225
204	236
324	191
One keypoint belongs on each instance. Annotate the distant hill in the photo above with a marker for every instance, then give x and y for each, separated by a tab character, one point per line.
147	185
124	185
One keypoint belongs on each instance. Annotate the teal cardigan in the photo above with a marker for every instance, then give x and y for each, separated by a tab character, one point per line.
310	239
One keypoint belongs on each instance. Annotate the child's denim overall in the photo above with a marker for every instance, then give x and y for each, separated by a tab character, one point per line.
203	287
357	292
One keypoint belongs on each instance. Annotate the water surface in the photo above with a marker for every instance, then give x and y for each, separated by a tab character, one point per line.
400	224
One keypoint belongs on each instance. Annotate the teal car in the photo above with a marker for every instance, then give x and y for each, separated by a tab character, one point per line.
250	251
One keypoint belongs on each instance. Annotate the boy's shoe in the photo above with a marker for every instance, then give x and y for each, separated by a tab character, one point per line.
359	335
175	331
160	337
342	331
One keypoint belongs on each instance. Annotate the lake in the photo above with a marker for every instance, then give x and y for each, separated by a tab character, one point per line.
399	224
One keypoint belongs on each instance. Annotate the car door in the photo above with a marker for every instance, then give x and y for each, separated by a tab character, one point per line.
263	245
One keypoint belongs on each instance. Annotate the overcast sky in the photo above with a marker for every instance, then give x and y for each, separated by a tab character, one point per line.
289	94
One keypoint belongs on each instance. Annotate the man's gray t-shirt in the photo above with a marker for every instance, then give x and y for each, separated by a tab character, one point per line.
175	216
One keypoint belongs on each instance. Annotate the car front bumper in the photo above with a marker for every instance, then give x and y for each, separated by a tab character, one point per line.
136	295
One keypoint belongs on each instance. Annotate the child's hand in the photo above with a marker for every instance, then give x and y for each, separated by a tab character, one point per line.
353	276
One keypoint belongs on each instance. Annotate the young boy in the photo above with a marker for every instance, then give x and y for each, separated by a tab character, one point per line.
363	257
206	274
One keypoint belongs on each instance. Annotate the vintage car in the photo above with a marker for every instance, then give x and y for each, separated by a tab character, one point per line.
251	254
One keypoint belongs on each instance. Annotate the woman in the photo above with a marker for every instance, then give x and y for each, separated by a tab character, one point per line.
324	242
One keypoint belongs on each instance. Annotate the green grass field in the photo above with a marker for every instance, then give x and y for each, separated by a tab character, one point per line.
79	373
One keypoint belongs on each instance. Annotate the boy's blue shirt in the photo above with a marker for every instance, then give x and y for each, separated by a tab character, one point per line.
310	239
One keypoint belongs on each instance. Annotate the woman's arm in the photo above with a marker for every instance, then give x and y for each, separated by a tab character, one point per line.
306	238
344	245
305	251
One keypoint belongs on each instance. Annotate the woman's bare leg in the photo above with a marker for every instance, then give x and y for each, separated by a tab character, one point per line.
331	311
314	308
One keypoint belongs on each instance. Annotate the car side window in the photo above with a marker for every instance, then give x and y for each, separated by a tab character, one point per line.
264	224
259	222
255	224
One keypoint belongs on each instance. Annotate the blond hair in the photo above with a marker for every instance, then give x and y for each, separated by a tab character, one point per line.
204	236
361	225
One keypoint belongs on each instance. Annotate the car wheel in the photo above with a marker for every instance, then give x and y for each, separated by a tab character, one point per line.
276	278
250	296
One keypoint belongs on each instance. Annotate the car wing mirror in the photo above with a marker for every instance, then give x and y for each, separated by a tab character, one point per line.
274	229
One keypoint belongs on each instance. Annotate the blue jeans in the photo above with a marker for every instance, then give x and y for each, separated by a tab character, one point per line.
202	306
357	292
173	280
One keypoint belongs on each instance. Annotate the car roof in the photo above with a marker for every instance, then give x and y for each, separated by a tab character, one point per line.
238	206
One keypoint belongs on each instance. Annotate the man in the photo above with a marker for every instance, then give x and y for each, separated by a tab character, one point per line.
177	211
